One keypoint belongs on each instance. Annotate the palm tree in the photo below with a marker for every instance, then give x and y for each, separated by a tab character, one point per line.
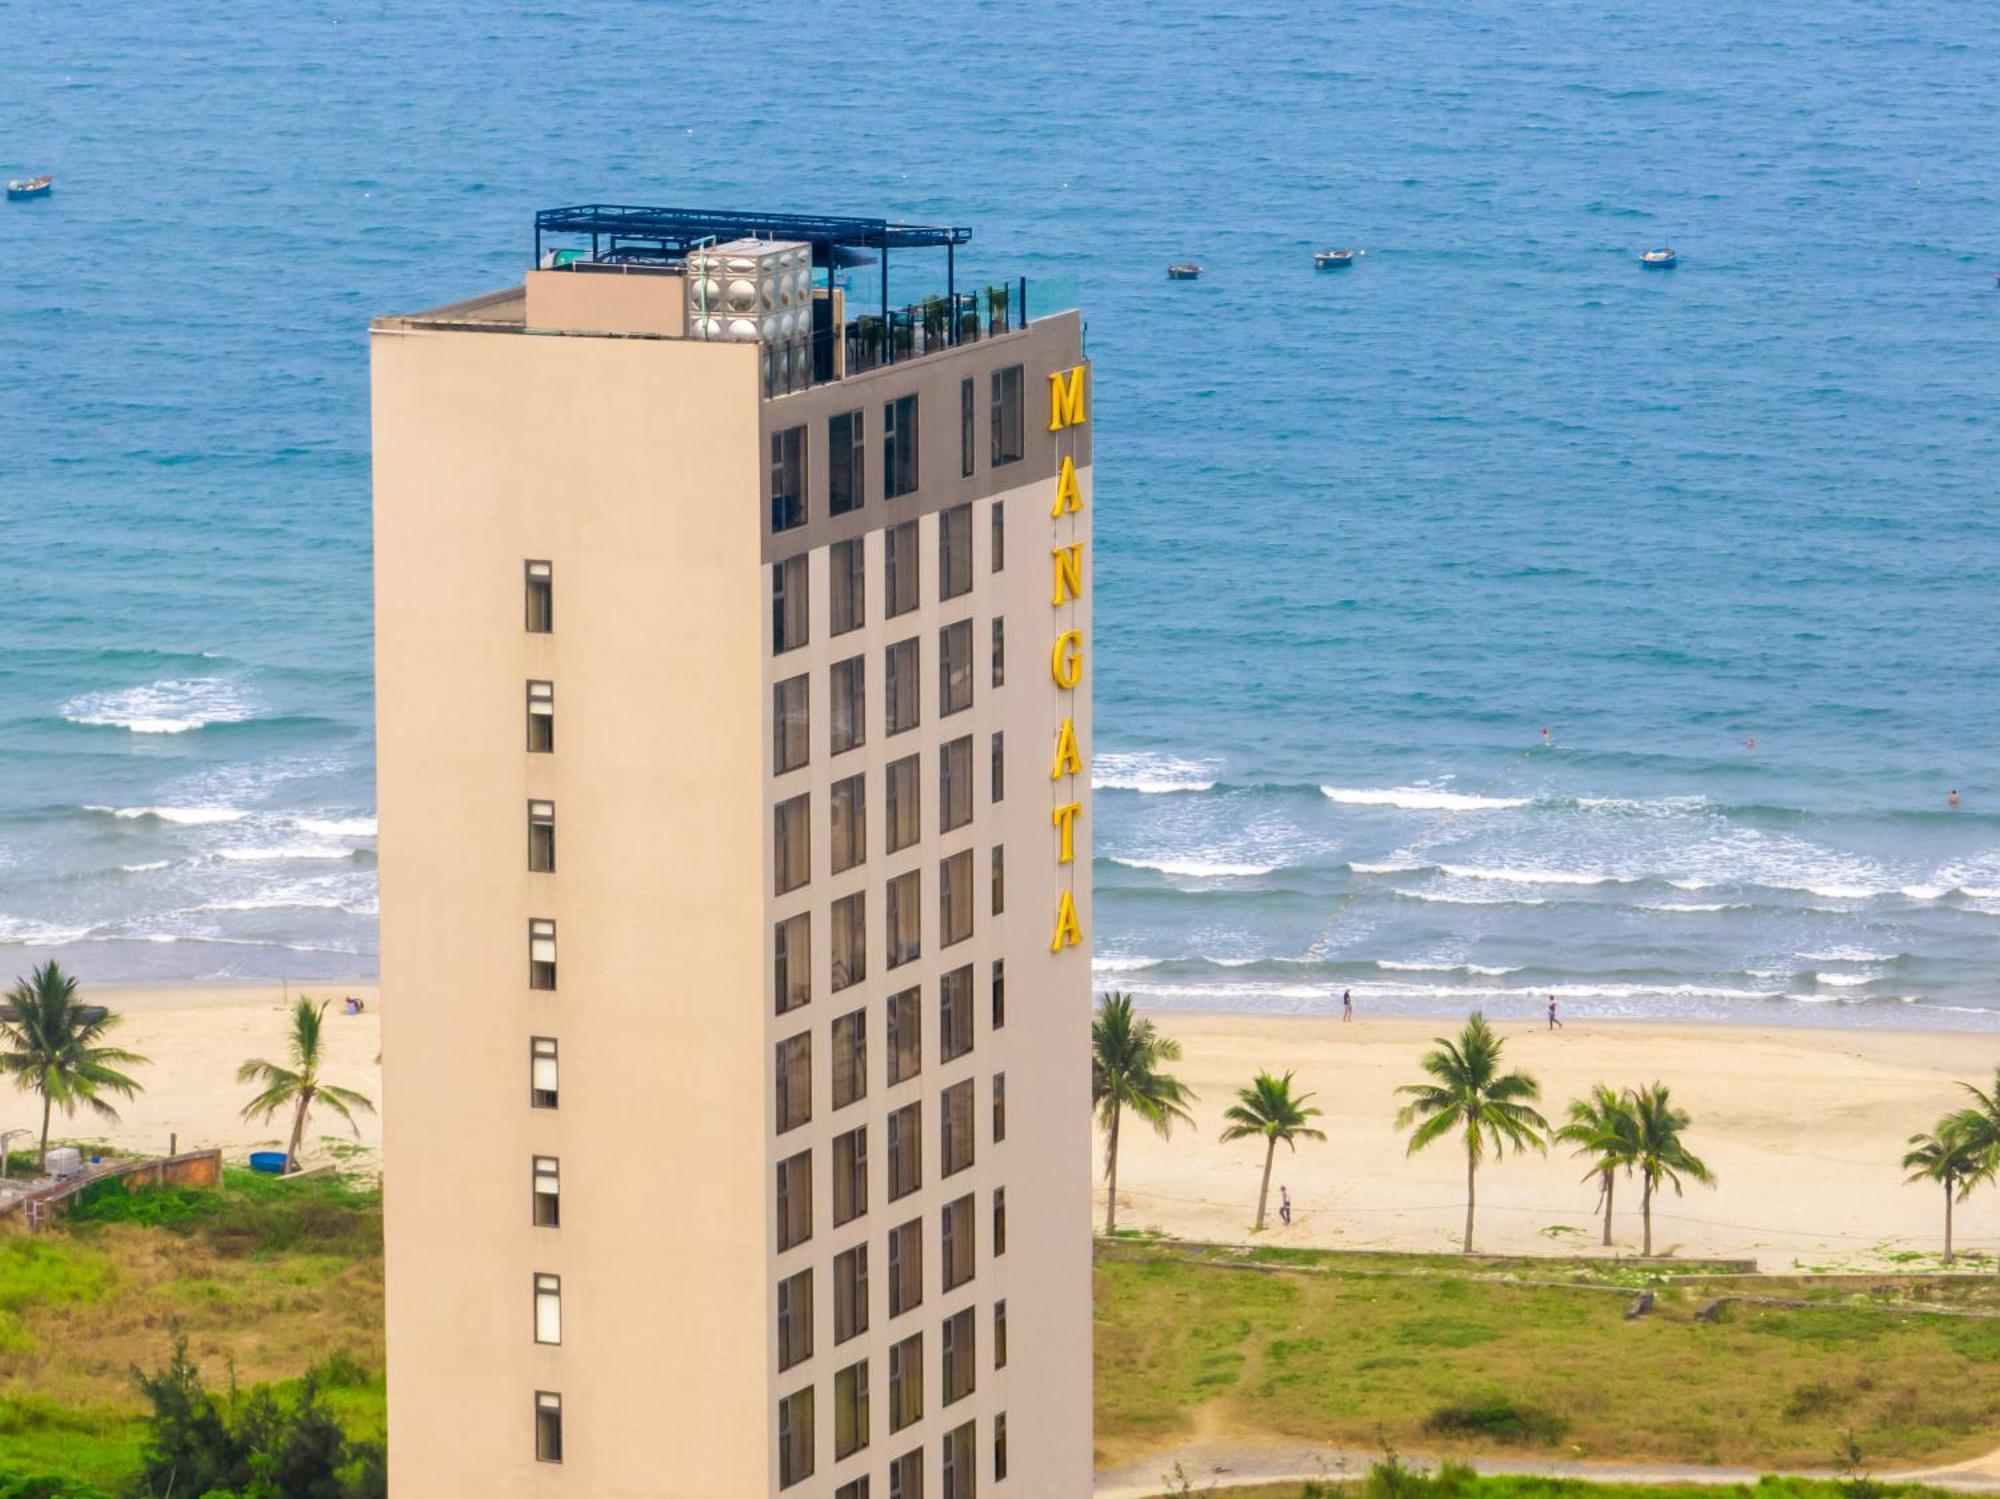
1470	1092
299	1084
1125	1057
53	1048
1659	1155
1950	1157
1267	1108
1601	1127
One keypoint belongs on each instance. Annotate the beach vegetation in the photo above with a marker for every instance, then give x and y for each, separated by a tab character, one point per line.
1469	1093
1605	1134
1270	1111
300	1085
1950	1156
53	1045
1126	1076
1393	1477
1660	1156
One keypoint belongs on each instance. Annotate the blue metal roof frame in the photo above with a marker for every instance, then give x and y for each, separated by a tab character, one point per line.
680	229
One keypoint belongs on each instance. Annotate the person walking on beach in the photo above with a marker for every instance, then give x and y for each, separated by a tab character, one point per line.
1554	1024
1284	1205
1346	1004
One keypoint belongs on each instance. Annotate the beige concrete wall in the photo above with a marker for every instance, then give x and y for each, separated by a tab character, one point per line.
634	300
632	465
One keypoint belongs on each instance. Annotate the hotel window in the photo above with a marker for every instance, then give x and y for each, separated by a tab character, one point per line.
999	879
541	598
999	1221
955	784
791	832
906	1476
1008	425
541	718
1000	1446
899	564
999	993
850	822
850	1175
791	724
960	1336
541	954
794	1061
849	711
542	837
795	1438
548	1427
906	1056
548	1308
965	438
958	1461
850	1293
795	1319
906	1150
906	931
955	668
847	572
999	536
1000	1333
955	1128
905	803
795	1200
955	898
846	465
999	1107
792	961
547	1178
906	1385
788	604
999	652
899	447
955	1014
998	790
906	1267
788	478
542	1072
854	1488
850	1409
850	940
901	665
850	1058
955	551
955	1244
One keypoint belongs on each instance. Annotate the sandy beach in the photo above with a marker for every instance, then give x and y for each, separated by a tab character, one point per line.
1803	1127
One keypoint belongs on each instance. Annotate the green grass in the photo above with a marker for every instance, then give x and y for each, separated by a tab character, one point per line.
1458	1482
1445	1355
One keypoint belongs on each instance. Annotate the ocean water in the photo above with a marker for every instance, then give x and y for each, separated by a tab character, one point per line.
1727	533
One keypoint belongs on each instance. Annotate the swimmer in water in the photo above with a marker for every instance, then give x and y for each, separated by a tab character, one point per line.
1952	800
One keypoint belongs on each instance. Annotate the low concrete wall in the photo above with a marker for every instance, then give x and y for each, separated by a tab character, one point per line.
22	1212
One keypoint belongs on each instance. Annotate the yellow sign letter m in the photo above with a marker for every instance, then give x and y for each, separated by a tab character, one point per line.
1066	399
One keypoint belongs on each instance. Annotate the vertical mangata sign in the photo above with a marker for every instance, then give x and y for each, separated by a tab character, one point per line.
1067	397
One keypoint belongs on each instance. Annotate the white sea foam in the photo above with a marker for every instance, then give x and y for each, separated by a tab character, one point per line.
25	931
1121	965
1421	799
1360	868
1532	876
288	851
1846	954
188	816
1439	897
278	900
145	868
1197	868
1844	980
170	707
1925	892
336	827
1478	970
1836	892
1114	770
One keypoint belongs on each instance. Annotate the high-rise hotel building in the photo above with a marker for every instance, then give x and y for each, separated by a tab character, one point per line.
734	724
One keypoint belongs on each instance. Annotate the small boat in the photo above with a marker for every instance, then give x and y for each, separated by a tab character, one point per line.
1183	270
1661	259
33	187
1334	260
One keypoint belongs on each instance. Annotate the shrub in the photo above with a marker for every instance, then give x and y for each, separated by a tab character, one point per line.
15	1484
1497	1420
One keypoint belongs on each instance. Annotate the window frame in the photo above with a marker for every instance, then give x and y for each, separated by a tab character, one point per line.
539	591
791	724
545	1207
791	962
541	712
955	677
1009	416
553	1055
902	473
847	459
541	836
848	956
790	505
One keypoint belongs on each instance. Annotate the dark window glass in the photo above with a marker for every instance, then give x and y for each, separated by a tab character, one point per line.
899	447
999	1220
905	802
955	898
847	574
850	822
955	784
1000	1334
546	1180
795	1319
850	1175
849	708
959	1359
541	718
999	1107
850	1058
958	1459
792	962
906	1032
542	1073
906	1150
999	777
541	953
901	665
999	879
906	927
965	438
791	724
999	1442
955	1247
850	1415
850	1293
788	604
955	1128
845	463
850	940
1008	422
955	668
541	598
795	1200
794	1066
955	551
902	573
542	837
955	1014
795	1438
788	478
999	652
791	836
999	535
906	1475
906	1267
548	1427
999	993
